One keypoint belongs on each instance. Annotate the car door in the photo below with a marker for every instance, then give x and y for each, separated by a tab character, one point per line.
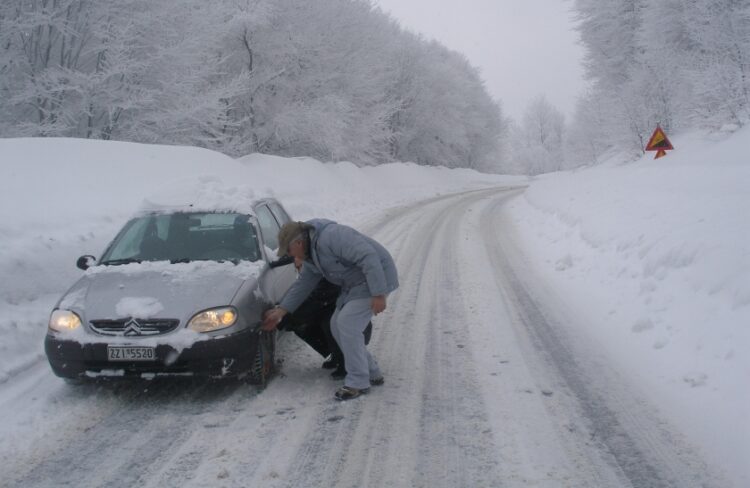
276	281
278	211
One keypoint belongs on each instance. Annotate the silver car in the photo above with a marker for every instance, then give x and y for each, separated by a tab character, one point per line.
178	292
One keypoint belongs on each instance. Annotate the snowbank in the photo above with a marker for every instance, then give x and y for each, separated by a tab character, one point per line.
656	255
63	198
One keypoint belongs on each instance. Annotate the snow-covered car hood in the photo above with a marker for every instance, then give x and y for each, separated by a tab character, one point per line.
157	289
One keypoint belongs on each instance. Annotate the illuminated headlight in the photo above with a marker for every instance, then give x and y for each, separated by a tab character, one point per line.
64	321
215	319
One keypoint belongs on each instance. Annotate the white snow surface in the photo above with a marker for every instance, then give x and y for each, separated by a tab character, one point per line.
652	256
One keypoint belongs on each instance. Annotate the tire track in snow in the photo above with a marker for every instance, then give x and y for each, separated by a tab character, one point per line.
412	431
454	418
322	457
427	426
139	427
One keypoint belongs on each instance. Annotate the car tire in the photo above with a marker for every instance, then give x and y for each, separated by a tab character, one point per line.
263	362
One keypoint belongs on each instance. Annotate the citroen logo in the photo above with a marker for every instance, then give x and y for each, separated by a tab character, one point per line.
132	328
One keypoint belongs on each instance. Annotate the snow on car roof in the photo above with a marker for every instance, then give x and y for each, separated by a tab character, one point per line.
202	194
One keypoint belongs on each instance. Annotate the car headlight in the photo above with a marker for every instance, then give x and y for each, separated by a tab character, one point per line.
214	319
64	321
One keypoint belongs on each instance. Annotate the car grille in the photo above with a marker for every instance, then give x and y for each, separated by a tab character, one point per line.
134	327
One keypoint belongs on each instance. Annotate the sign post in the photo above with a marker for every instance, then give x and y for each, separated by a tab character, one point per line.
659	143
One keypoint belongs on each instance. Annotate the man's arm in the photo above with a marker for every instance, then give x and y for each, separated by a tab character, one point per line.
293	298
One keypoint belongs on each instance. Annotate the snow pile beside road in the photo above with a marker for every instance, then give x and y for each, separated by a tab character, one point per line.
656	256
63	198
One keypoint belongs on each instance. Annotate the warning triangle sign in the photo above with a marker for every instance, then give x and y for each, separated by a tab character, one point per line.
659	142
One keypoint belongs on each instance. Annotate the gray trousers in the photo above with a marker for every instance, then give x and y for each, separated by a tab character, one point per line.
347	327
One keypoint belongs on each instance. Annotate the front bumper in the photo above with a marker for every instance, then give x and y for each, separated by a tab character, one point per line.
224	356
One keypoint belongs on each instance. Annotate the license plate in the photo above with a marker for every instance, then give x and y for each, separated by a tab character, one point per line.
130	353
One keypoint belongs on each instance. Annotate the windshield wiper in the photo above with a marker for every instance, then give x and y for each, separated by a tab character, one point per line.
115	262
180	260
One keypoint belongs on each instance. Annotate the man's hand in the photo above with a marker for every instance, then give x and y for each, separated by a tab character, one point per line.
272	318
378	304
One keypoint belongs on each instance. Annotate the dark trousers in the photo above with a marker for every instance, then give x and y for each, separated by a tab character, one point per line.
309	322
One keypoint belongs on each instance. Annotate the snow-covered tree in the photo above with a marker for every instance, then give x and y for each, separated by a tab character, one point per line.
332	79
445	116
721	71
537	143
132	69
328	66
677	63
588	136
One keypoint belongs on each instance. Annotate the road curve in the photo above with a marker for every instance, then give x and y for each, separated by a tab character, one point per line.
487	384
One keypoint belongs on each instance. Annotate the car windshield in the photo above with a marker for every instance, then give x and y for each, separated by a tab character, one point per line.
185	237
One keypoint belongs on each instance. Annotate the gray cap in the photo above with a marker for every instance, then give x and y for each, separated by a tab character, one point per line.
290	232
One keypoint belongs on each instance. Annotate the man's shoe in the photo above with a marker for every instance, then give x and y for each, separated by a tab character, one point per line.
377	381
330	364
338	374
348	393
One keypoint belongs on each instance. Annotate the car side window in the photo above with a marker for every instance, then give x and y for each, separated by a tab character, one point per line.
268	227
278	211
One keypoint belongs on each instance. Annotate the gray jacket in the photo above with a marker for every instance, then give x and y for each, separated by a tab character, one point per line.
358	264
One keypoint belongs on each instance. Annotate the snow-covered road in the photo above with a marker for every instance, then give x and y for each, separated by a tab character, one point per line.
486	385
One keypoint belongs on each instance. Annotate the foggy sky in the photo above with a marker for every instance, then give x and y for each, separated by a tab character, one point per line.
523	48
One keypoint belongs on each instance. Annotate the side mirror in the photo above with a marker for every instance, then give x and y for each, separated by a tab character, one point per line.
85	262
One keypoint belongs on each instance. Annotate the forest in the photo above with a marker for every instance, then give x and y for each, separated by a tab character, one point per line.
679	63
341	80
332	79
682	64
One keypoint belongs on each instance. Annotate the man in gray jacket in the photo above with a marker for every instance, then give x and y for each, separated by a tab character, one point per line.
366	273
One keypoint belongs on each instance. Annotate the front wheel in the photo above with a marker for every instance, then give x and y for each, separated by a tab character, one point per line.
262	367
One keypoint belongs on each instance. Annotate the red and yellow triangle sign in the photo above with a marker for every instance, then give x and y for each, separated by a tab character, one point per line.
659	143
